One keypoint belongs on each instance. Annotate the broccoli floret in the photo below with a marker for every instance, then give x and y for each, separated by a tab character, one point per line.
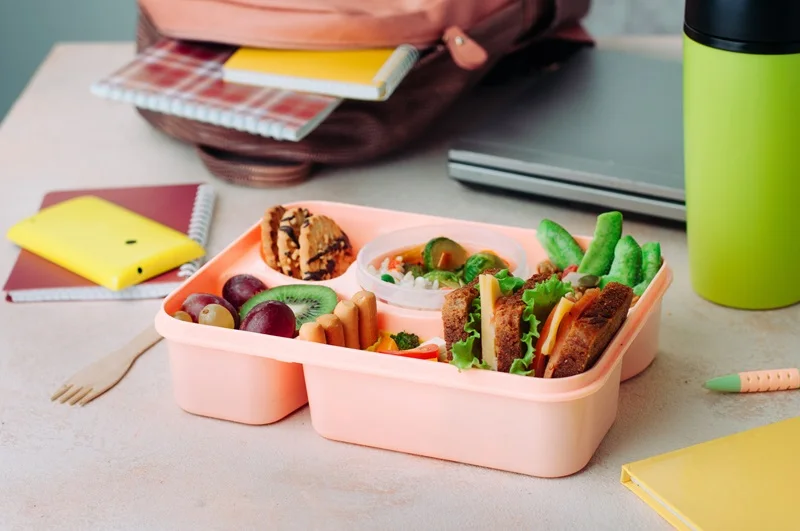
416	270
406	341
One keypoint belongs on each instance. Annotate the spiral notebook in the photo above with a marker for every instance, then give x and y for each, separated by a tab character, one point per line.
742	481
184	207
184	79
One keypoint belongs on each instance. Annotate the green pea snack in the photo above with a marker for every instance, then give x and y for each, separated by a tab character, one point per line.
626	268
561	247
598	258
651	263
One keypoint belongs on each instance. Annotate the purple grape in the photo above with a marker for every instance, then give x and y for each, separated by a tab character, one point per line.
240	288
195	303
273	318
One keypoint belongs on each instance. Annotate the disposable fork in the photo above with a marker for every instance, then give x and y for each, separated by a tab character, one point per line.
97	378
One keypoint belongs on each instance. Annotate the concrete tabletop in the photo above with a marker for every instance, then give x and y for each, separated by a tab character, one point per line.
133	460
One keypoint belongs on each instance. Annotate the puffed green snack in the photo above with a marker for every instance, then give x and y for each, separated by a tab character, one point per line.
626	268
561	247
651	264
600	254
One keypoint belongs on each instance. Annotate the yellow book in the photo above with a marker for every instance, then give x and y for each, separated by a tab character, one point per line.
744	481
368	74
104	242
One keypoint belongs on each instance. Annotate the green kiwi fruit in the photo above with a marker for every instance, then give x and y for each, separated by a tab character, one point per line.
307	302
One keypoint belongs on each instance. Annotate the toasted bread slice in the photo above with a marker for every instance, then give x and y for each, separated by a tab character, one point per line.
591	333
455	313
532	281
456	310
508	330
509	326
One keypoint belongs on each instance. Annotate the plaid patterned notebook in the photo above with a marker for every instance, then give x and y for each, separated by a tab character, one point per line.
183	79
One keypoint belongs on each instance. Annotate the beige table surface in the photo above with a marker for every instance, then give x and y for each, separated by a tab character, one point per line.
134	460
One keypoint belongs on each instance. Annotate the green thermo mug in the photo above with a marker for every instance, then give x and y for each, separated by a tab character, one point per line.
741	98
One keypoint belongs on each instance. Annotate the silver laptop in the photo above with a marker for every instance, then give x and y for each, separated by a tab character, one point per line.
605	129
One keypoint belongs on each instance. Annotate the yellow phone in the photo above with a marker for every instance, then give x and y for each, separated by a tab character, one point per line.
104	242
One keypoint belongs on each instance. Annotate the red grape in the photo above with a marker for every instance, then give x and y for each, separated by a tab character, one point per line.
273	318
195	303
239	288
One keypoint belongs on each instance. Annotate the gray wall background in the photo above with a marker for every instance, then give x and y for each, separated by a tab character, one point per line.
29	28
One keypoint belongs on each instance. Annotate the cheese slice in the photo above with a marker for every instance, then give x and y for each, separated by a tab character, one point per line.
559	312
489	289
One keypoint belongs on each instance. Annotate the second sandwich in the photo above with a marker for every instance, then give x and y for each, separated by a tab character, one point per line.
539	327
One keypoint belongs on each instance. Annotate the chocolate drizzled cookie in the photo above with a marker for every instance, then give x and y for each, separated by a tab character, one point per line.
269	235
288	240
325	250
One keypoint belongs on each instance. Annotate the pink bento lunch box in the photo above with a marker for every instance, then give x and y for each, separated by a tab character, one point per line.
495	420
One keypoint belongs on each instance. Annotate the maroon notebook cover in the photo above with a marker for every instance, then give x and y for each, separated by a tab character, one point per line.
36	279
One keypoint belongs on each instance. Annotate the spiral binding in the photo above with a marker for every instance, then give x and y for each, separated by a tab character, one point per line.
397	67
199	225
235	119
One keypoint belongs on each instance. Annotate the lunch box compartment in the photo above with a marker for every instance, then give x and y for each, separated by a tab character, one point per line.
419	407
472	427
232	386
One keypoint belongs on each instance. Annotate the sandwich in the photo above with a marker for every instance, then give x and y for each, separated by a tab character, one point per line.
542	327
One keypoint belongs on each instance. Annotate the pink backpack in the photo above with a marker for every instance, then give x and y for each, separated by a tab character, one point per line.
461	41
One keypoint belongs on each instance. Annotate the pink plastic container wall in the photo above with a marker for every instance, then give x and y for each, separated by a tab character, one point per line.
431	409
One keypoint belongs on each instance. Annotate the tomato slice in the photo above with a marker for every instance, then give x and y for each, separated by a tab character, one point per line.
588	297
566	322
424	352
539	359
568	270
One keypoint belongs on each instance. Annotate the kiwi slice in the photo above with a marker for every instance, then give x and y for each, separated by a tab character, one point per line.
307	302
443	254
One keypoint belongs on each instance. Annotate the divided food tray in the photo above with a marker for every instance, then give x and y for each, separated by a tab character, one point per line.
535	426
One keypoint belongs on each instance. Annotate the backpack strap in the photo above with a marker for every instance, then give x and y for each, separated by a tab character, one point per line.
569	11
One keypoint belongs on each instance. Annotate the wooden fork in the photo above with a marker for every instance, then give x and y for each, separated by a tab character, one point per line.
94	380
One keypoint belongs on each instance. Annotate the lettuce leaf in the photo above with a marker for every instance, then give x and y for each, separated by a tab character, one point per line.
522	365
539	302
464	351
508	283
546	295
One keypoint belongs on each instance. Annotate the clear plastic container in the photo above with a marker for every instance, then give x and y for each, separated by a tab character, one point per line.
473	239
535	426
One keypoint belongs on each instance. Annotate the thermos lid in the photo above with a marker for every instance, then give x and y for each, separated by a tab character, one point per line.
749	26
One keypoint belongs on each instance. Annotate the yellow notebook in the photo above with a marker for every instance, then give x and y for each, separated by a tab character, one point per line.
369	74
744	481
104	242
